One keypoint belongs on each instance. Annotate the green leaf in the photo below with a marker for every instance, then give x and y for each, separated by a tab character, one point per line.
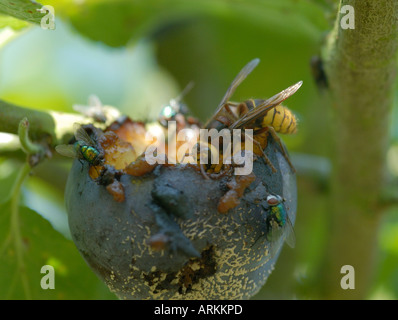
7	21
20	278
25	10
117	22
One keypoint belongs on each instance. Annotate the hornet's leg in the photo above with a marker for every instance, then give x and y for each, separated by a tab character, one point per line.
284	153
203	171
267	160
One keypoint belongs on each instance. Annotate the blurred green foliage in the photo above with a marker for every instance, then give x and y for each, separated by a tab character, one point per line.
25	10
137	55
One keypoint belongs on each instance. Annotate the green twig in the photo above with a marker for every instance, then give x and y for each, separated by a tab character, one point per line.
41	123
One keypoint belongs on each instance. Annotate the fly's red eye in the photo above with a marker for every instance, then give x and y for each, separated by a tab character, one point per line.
272	201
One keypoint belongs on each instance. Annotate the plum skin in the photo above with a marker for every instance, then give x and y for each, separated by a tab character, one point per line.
208	255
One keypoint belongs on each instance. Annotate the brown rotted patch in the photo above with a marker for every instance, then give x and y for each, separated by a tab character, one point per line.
159	281
116	190
130	131
139	167
236	190
196	269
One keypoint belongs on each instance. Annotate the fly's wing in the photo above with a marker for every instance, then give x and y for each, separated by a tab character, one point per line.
273	243
66	150
95	109
290	237
247	69
184	92
94	101
82	135
272	248
176	105
273	236
265	106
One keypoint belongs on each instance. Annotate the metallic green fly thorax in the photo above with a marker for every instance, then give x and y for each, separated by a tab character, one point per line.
89	153
278	213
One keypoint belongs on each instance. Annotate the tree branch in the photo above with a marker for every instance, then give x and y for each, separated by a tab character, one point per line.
41	123
54	127
361	67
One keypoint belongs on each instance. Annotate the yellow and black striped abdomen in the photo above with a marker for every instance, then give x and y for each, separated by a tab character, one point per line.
281	119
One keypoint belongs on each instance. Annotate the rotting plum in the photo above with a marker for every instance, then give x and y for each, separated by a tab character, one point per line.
167	239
